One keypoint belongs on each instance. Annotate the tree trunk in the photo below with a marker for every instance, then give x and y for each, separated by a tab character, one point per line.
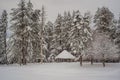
91	59
23	59
103	61
119	58
6	59
41	52
5	49
23	51
42	26
19	60
80	60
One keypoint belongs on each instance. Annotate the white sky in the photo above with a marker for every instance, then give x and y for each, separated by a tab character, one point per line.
53	7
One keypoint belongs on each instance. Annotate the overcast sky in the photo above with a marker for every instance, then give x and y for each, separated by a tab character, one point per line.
53	7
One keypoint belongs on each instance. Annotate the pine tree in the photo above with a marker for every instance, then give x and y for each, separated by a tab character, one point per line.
42	33
117	37
113	28
58	29
32	33
25	39
80	34
3	28
67	24
19	28
29	33
49	37
103	20
62	28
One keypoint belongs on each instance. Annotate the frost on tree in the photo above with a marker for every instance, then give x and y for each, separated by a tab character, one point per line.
58	29
18	27
62	29
32	35
103	19
103	47
48	38
104	22
80	33
3	27
25	39
117	37
67	23
43	46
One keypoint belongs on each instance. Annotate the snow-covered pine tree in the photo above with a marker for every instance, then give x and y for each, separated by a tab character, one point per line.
113	28
25	25
58	29
117	36
3	28
20	23
29	32
62	28
43	45
80	33
32	31
67	24
103	21
49	38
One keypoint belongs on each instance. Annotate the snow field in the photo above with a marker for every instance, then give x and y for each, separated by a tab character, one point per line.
60	71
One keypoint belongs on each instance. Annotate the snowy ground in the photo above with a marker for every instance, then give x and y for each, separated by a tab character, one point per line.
60	71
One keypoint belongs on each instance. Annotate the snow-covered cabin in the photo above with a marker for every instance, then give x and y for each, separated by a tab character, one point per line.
65	56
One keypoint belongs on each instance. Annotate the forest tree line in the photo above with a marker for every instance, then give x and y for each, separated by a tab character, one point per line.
34	40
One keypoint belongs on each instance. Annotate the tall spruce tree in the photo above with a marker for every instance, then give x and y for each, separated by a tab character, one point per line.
58	29
3	28
19	24
103	20
117	36
49	38
62	27
67	24
25	39
42	34
32	33
80	33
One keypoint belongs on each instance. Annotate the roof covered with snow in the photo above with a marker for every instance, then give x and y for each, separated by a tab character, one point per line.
65	54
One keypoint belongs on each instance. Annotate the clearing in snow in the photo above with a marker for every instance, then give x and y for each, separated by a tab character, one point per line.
60	71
